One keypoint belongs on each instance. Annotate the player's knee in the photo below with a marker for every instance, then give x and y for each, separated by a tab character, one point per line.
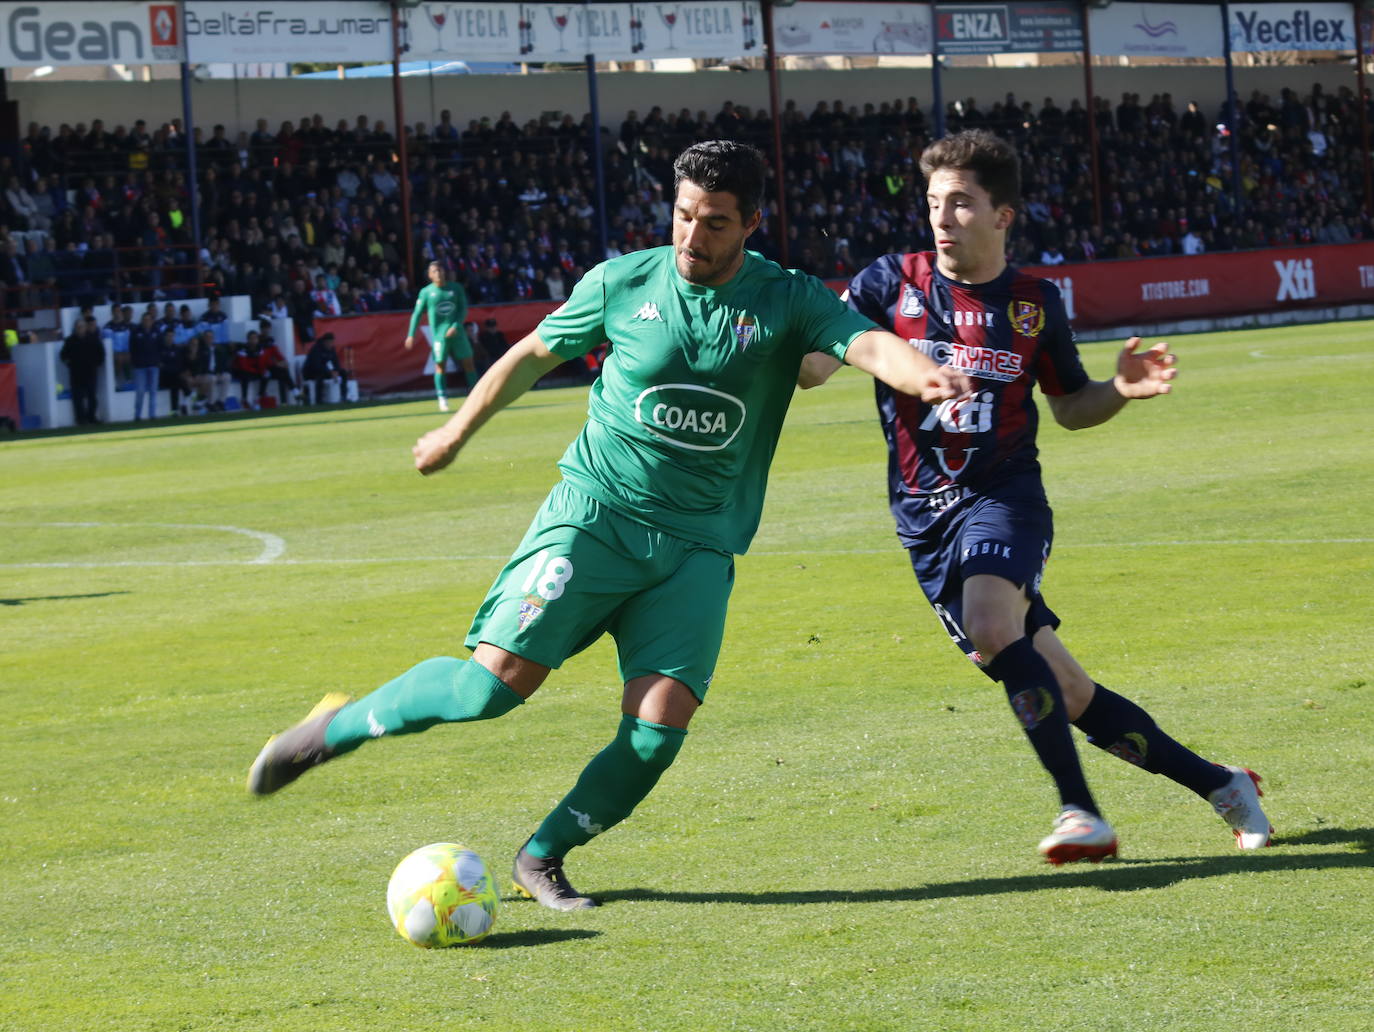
991	632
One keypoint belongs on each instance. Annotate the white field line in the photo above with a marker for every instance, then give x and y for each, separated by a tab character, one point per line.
274	547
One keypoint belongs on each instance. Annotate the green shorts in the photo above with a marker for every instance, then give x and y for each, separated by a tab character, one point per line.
457	347
584	570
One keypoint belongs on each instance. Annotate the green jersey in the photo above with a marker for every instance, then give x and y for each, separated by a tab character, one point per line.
446	306
685	417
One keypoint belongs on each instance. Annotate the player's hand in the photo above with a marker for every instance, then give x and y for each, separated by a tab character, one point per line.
434	451
452	332
410	343
945	384
1146	374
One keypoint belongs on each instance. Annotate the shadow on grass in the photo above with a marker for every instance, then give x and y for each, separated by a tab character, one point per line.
534	937
1126	875
57	598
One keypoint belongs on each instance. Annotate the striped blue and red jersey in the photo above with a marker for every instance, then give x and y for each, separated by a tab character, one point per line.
1008	335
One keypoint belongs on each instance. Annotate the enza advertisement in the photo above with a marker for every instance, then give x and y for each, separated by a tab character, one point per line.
112	32
1009	28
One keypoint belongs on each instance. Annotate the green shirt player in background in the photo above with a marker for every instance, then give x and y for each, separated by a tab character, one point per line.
446	305
659	492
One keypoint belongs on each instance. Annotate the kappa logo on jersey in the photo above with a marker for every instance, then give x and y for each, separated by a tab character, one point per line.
648	311
913	301
1027	317
985	363
745	328
687	415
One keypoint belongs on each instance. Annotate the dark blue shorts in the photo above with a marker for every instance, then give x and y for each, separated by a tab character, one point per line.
1008	537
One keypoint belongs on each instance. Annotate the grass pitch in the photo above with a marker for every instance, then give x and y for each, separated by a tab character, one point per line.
847	840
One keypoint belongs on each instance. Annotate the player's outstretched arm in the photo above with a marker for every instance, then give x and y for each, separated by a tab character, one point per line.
816	368
512	375
1139	374
887	357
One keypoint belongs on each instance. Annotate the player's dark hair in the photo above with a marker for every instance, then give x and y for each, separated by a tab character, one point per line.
991	159
724	166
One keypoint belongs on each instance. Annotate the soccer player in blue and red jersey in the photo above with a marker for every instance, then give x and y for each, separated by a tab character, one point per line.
965	486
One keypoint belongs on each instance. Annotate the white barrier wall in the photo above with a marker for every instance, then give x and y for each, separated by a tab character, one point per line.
43	376
239	104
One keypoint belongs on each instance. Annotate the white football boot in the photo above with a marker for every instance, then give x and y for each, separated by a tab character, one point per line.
1078	835
1238	803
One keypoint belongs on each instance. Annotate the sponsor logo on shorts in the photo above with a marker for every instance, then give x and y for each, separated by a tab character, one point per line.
993	548
687	415
530	608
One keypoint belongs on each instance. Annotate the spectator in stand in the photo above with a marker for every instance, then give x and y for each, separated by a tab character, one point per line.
208	364
301	307
325	301
116	337
245	368
84	353
186	327
216	321
174	374
321	367
272	368
145	354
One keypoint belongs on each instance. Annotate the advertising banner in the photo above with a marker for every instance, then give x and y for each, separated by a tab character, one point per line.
1292	27
305	30
1146	291
81	33
852	28
1009	28
1156	30
9	394
567	32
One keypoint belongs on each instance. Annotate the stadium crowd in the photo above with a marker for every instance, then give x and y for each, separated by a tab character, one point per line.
307	219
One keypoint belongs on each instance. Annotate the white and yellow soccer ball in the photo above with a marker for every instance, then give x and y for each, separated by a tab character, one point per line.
442	895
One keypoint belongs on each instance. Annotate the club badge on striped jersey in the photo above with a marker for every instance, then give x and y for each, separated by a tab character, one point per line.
744	331
913	301
1027	317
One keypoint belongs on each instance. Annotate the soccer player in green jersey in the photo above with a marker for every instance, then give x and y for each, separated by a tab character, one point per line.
446	305
659	492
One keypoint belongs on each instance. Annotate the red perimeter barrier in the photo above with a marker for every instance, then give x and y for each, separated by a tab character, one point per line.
1136	292
381	362
1146	291
9	392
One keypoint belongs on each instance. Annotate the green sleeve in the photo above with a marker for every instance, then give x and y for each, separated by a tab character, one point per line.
580	323
419	309
822	321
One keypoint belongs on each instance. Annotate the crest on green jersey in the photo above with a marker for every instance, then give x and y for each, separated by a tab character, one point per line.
744	331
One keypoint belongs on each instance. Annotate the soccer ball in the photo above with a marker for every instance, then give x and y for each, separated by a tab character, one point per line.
442	895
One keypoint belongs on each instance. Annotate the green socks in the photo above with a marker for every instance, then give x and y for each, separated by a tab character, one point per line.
610	787
437	691
471	377
440	383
